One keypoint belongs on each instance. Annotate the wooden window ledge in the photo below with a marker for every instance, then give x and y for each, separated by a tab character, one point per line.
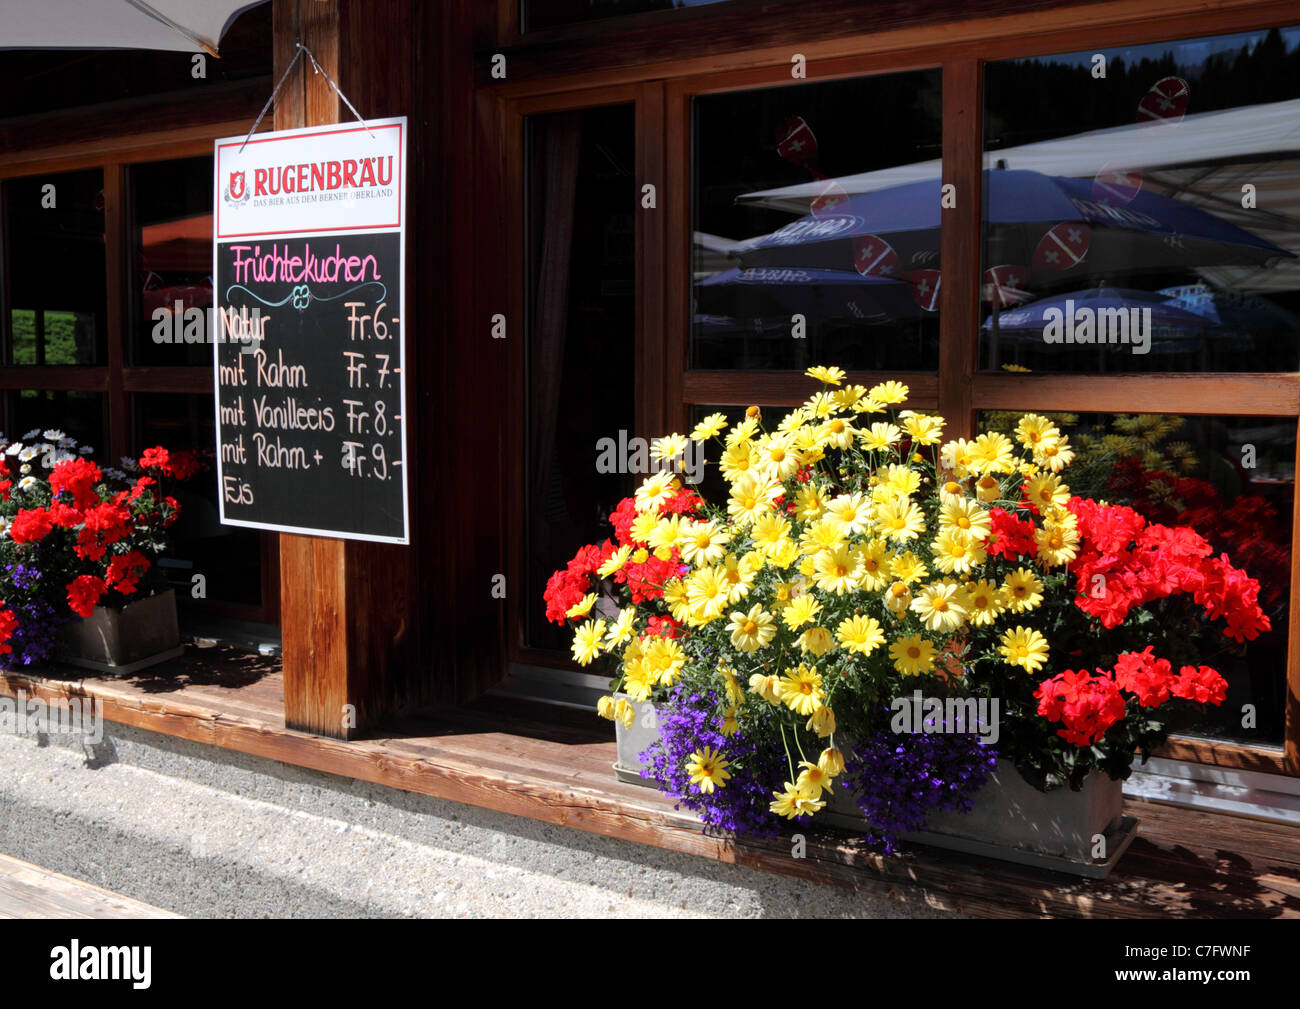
553	764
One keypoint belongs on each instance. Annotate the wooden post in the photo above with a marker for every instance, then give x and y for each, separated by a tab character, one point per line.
344	605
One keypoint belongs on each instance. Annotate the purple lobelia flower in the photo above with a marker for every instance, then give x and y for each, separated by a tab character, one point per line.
689	721
34	640
900	778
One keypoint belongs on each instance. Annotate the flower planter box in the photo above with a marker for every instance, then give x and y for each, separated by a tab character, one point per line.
141	634
1015	822
635	741
1011	820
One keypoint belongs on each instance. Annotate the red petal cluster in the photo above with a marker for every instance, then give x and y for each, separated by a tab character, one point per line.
1087	705
78	478
1124	562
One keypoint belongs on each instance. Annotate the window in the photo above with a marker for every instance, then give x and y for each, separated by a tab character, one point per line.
581	338
815	230
1147	186
105	263
54	237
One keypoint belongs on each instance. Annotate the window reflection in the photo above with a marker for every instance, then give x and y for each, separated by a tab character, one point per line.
1232	480
54	261
816	225
1142	208
171	221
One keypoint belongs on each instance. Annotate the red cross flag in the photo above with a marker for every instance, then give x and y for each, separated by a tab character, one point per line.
1165	102
1063	246
830	195
1004	285
795	142
925	288
874	257
1116	187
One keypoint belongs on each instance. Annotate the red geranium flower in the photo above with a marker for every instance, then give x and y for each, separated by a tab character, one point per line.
84	592
155	458
124	572
30	525
78	477
8	624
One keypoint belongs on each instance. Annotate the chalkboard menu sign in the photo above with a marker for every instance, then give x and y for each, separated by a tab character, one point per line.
309	361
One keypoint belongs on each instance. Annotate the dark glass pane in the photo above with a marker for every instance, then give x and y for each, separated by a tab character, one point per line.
816	212
1142	208
229	558
580	371
540	14
1232	480
171	278
54	262
80	415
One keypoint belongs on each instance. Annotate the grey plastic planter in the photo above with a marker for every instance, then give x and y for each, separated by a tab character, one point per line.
1011	820
634	741
139	635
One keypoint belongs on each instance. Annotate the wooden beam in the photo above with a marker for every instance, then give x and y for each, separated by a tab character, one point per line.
1292	688
790	388
345	606
732	37
117	256
1240	394
959	316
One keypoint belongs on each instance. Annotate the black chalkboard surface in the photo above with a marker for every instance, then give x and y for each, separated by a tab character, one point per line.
309	384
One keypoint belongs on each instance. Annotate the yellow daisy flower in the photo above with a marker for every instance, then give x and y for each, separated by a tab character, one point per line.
582	607
801	690
709	427
890	393
801	610
983	602
587	641
708	769
880	436
753	630
859	634
912	655
822	722
1025	648
829	376
1022	591
656	489
940	605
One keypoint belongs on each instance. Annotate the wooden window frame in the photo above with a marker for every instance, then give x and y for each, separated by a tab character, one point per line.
663	91
115	379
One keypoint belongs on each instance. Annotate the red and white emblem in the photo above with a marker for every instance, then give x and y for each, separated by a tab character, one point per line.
1116	187
874	257
1063	246
1166	102
830	195
236	185
795	142
925	288
1004	285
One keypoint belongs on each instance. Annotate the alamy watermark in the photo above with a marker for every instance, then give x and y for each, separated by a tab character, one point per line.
635	455
23	715
933	715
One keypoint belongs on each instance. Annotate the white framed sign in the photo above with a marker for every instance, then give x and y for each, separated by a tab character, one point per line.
309	358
